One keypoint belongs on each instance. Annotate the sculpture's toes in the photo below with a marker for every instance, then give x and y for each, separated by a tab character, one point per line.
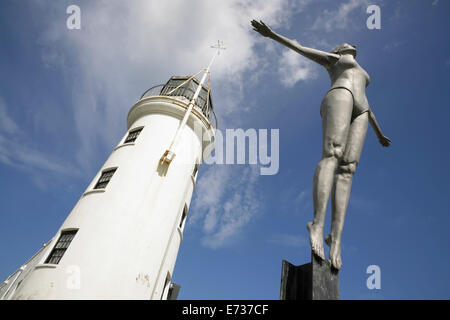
315	238
318	250
335	254
321	253
335	258
336	262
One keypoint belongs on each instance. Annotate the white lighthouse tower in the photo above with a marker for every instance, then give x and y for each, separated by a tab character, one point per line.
121	239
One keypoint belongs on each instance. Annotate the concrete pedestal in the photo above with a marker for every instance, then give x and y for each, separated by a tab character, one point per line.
312	281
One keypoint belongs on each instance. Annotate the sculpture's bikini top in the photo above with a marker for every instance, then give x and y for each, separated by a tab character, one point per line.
347	73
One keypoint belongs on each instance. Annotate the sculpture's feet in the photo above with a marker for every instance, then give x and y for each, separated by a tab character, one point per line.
335	252
316	239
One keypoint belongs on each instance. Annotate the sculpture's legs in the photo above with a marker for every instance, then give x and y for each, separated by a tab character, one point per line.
336	109
343	184
322	184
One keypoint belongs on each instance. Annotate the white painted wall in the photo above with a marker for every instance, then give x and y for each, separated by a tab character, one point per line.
128	236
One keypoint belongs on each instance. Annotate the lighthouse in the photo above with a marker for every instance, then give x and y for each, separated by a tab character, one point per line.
121	239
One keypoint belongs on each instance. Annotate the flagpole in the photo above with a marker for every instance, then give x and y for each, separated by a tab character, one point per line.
169	154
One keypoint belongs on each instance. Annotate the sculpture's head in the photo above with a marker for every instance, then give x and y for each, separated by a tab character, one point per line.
345	48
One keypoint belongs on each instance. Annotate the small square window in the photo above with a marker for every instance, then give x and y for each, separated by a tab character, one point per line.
104	179
194	173
174	289
166	285
61	246
183	217
132	135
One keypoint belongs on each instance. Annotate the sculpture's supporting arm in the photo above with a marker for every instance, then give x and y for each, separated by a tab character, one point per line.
321	57
385	141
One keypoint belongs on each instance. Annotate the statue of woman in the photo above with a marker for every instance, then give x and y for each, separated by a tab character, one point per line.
345	115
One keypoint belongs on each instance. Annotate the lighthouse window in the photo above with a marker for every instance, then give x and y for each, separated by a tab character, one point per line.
165	285
61	246
104	179
183	217
194	174
132	136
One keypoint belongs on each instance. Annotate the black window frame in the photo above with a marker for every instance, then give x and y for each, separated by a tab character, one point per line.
166	283
183	216
105	178
195	172
133	135
59	249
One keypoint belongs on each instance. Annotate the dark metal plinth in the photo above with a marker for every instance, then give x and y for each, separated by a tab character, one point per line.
312	281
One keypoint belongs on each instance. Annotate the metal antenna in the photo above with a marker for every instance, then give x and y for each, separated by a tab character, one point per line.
219	46
168	156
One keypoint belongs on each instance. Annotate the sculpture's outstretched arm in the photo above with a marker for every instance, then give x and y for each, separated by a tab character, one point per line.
321	57
385	141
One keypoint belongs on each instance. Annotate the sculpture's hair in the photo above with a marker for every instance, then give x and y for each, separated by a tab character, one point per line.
344	47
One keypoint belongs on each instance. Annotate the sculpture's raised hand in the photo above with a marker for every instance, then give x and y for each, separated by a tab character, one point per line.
262	28
385	141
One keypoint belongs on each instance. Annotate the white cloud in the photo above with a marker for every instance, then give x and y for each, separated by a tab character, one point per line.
125	47
293	68
302	196
297	200
226	201
15	151
209	192
6	123
340	18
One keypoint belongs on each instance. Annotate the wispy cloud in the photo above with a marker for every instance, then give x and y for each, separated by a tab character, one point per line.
288	240
293	68
224	203
7	124
122	49
209	192
341	17
394	45
303	199
15	151
138	35
297	199
363	205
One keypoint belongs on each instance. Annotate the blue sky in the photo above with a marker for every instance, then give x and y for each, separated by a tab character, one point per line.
65	94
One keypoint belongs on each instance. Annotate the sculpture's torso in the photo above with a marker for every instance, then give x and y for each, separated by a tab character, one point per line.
347	73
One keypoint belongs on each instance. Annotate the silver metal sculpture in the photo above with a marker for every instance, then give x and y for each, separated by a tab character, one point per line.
345	115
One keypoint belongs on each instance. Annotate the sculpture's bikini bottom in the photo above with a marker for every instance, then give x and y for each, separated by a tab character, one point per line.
358	108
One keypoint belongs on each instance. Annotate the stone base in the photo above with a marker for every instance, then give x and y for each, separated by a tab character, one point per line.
316	280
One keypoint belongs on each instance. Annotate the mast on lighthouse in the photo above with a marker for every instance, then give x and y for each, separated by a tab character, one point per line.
121	239
169	154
